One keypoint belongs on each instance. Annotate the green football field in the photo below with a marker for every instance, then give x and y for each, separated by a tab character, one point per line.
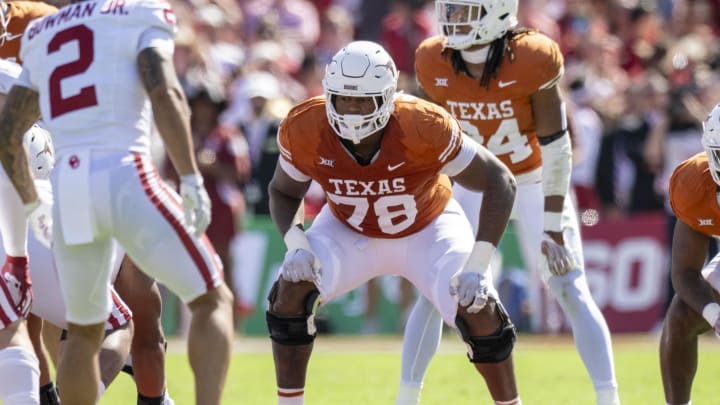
365	370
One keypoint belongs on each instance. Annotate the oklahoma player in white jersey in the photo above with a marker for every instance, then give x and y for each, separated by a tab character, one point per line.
501	84
383	162
138	290
99	73
47	302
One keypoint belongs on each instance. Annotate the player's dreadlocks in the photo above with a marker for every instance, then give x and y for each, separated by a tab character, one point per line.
498	49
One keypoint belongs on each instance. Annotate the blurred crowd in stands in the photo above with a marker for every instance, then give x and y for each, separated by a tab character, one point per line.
640	75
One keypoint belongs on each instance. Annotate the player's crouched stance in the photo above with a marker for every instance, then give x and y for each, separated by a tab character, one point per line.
695	309
383	161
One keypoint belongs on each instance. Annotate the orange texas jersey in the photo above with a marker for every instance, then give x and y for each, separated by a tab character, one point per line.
693	195
20	13
500	117
401	190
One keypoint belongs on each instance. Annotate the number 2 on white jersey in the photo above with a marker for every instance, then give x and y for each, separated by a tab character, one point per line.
507	139
87	96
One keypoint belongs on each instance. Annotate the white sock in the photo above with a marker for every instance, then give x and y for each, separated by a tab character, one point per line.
19	376
515	401
167	400
420	342
590	331
13	226
607	397
291	396
408	395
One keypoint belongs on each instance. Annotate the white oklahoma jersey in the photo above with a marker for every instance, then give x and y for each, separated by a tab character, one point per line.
9	72
48	303
82	62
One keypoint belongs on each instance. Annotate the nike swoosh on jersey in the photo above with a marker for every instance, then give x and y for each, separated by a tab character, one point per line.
393	167
502	84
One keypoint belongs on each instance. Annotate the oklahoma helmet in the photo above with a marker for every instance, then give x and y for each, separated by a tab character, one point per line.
41	154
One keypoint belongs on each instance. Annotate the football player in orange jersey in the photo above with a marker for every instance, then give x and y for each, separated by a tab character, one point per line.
14	17
500	82
384	162
695	309
138	290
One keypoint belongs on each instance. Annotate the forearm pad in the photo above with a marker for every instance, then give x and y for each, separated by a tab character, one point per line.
556	165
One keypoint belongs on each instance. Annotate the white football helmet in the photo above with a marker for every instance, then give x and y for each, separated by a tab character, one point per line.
464	23
711	142
41	154
360	69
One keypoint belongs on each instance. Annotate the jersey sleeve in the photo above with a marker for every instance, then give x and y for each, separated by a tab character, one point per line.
161	23
286	160
440	132
9	74
545	58
24	80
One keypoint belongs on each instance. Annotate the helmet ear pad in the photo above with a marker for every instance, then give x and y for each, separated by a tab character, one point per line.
360	69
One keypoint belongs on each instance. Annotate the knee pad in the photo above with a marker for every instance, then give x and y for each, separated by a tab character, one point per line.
493	348
293	330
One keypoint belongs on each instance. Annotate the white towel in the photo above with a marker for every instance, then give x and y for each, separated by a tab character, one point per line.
73	198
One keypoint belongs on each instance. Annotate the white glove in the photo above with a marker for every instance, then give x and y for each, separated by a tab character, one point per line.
469	288
300	262
557	257
39	215
196	202
300	265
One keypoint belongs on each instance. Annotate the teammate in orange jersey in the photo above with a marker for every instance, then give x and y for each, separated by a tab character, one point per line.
384	162
500	82
695	309
14	17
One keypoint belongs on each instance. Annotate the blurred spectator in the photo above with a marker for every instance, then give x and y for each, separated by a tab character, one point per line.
337	31
257	108
224	161
295	20
587	131
407	24
625	180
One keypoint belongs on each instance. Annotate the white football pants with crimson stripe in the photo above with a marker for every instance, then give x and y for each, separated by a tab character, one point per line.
127	201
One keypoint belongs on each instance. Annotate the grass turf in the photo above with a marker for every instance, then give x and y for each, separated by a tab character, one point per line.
365	370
